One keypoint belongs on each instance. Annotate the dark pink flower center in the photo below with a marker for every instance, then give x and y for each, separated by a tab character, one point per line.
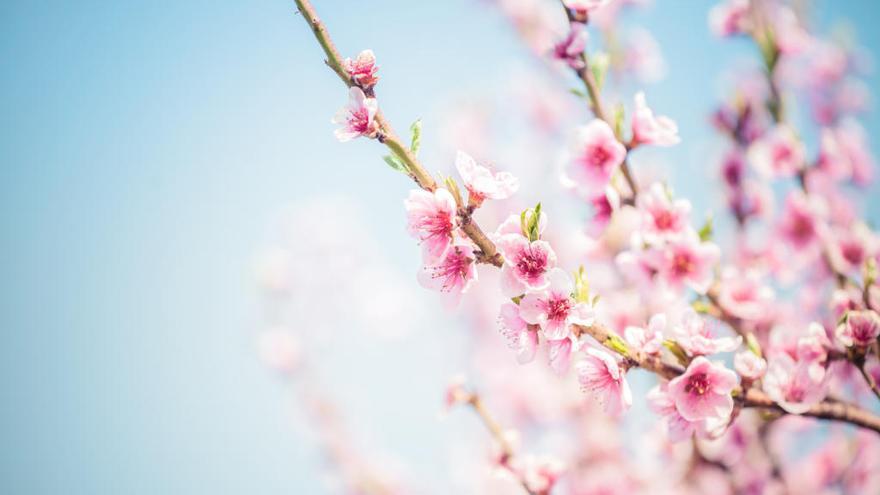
558	308
782	154
801	227
437	225
531	263
682	264
359	120
453	270
597	156
697	384
853	252
664	220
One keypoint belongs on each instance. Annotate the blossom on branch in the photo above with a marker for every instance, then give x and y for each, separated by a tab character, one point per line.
600	374
358	117
431	218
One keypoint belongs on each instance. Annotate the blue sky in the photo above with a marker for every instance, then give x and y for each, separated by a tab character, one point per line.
146	147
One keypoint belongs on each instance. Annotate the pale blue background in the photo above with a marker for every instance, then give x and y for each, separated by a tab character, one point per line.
145	147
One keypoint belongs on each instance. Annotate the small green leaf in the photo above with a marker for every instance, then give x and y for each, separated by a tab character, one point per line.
416	143
578	92
617	344
619	116
870	272
530	222
516	299
753	345
599	67
676	351
395	163
701	306
581	286
453	188
706	230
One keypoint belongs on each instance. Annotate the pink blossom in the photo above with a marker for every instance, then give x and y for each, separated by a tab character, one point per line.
661	403
554	309
744	295
456	393
648	339
642	56
789	35
604	206
560	353
694	336
431	218
791	385
851	246
541	474
584	6
703	391
686	261
454	274
843	300
729	17
860	329
358	117
749	365
481	182
801	221
779	153
526	264
363	69
661	216
648	129
519	336
596	154
600	374
853	141
571	49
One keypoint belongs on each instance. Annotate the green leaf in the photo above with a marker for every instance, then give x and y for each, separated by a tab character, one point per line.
396	163
529	221
676	351
753	345
599	67
416	143
453	188
581	286
619	115
870	272
700	306
617	344
578	92
706	230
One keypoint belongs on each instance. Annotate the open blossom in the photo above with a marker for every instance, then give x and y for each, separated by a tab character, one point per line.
363	69
749	365
849	247
358	117
453	274
860	329
571	49
791	384
686	261
600	374
729	17
554	309
648	339
661	216
744	295
677	427
596	154
779	153
694	337
802	220
650	129
431	219
526	264
481	182
519	337
703	391
540	474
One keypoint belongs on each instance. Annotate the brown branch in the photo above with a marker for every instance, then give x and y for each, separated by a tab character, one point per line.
752	398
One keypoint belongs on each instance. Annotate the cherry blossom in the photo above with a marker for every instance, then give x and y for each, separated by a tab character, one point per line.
454	274
585	6
358	117
481	182
526	264
363	69
519	336
686	261
570	49
600	375
703	391
860	329
802	221
553	309
431	218
778	154
729	17
791	385
648	339
662	217
650	129
596	154
749	365
694	336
